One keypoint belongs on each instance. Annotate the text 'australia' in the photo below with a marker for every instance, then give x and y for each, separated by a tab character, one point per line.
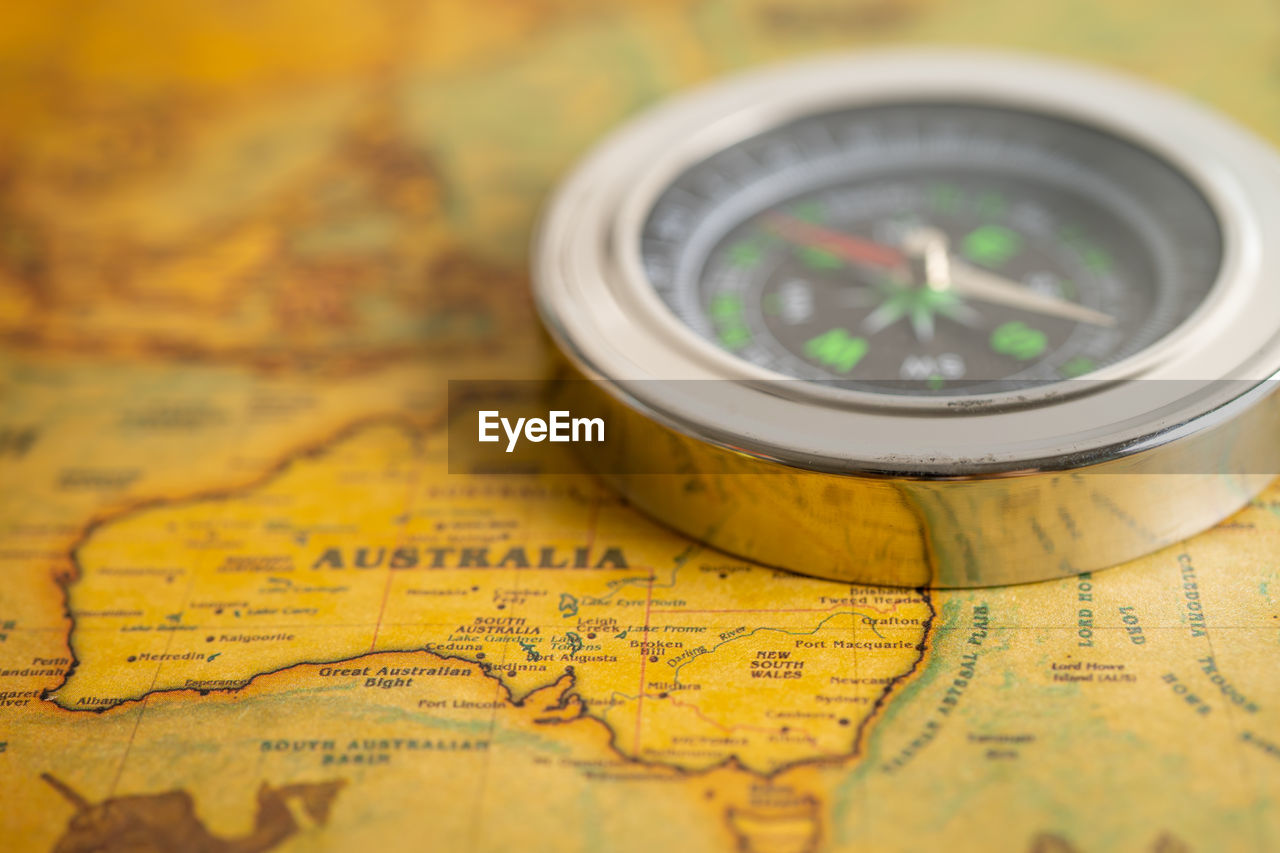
483	557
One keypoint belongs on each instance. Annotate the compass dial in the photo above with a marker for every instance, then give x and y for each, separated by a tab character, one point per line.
943	249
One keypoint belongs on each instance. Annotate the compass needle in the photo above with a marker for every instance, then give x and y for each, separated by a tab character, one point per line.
978	284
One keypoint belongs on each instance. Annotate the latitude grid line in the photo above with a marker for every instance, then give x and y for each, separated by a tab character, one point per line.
645	651
410	503
1241	762
142	708
477	823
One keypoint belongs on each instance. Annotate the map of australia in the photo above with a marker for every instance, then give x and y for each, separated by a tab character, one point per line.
246	605
686	658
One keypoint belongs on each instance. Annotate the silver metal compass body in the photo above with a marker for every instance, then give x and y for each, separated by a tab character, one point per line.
928	317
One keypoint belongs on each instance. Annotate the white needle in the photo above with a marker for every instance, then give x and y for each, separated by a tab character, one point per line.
942	272
989	287
931	245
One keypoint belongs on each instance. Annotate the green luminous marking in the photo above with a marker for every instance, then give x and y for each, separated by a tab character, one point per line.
726	311
1096	260
991	245
726	307
917	304
945	197
809	211
818	259
746	253
991	204
836	349
1078	366
1019	340
733	337
935	382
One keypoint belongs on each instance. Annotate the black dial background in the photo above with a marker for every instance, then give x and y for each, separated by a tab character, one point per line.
1044	203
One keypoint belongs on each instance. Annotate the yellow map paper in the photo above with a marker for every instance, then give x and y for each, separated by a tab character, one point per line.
243	247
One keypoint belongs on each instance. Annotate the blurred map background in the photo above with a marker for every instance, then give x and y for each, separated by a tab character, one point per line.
243	245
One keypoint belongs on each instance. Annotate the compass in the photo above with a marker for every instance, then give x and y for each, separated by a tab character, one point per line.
928	317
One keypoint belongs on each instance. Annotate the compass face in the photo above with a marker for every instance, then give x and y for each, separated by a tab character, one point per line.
937	249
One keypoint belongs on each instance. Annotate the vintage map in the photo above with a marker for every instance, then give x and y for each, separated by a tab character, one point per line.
245	607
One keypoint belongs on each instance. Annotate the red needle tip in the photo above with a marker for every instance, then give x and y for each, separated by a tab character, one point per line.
847	246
